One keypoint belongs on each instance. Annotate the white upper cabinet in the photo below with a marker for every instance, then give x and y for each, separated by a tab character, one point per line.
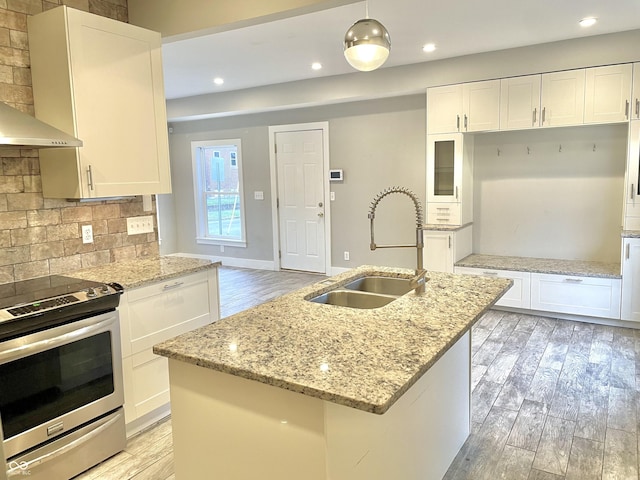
520	102
444	109
563	98
607	94
467	107
100	80
635	97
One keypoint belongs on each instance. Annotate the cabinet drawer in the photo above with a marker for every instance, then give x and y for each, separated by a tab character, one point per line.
162	311
518	296
150	382
596	297
443	213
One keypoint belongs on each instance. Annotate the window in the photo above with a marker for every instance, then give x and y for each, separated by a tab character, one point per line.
217	182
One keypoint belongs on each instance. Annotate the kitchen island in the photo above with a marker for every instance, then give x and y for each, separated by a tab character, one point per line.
294	389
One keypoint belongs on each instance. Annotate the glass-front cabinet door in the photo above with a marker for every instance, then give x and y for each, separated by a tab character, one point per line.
444	167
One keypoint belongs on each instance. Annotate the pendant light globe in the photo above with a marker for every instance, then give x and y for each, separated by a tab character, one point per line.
367	44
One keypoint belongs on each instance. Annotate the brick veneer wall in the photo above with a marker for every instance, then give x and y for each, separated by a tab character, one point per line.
40	236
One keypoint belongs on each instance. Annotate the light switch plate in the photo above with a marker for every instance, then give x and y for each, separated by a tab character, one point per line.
258	195
137	225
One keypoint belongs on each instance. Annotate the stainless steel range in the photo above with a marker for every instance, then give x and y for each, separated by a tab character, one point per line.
61	392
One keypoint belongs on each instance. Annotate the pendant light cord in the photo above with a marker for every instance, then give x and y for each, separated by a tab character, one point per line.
366	9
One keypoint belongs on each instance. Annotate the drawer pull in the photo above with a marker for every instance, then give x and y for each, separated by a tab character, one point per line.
490	273
172	286
573	280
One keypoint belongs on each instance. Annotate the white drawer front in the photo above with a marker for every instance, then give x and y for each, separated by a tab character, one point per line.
167	313
597	297
518	296
443	213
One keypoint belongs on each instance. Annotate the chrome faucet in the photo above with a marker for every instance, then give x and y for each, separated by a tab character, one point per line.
419	280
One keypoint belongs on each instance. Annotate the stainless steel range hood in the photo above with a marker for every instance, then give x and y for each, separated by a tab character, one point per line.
21	129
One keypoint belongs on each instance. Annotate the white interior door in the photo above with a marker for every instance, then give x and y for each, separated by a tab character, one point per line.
299	161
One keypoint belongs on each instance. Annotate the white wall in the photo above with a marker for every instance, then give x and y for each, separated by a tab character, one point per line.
550	203
378	144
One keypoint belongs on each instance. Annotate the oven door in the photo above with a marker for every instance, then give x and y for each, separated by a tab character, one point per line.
55	380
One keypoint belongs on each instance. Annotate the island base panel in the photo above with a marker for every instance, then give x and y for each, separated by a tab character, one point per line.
231	428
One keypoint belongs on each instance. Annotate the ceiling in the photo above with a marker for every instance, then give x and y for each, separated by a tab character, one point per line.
283	50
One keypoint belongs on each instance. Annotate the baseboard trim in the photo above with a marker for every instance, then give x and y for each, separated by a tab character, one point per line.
231	261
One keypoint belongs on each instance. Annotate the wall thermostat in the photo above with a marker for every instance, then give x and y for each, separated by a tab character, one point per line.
336	175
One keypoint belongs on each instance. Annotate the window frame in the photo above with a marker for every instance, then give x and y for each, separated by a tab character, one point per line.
200	193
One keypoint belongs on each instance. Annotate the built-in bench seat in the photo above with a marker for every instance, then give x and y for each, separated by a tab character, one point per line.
570	287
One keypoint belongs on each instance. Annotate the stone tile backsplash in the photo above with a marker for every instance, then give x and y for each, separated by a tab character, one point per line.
42	236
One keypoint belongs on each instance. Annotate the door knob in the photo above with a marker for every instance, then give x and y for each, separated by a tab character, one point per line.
321	214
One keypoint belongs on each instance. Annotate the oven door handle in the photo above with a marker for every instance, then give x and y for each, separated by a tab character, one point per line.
20	467
72	333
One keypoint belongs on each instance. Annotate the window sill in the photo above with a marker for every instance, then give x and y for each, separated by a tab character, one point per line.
219	241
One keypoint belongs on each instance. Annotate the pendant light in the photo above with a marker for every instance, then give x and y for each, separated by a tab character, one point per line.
367	44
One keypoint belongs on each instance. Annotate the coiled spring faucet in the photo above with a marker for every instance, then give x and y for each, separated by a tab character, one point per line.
419	280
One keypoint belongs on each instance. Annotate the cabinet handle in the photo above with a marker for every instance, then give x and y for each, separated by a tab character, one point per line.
458	122
628	251
632	192
465	121
544	114
449	242
173	285
90	177
456	192
535	116
637	107
626	110
573	280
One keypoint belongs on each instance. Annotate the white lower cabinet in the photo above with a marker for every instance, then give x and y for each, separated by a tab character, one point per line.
152	314
631	279
442	249
518	296
591	296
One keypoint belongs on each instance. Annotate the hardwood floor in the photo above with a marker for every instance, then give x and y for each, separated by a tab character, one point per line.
552	399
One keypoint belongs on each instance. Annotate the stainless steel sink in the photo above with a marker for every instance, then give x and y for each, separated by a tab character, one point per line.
354	299
384	285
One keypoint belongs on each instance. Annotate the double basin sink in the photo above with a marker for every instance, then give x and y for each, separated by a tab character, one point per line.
366	292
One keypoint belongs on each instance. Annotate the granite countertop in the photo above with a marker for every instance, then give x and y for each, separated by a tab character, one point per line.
631	233
444	228
365	359
542	265
139	272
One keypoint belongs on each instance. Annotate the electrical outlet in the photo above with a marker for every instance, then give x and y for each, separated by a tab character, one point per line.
346	255
87	234
137	225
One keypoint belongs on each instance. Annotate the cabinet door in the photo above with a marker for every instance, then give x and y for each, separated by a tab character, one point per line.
444	109
444	167
563	98
607	94
635	98
481	106
100	80
520	102
438	251
631	279
632	183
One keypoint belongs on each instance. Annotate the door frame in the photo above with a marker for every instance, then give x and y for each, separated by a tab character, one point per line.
298	127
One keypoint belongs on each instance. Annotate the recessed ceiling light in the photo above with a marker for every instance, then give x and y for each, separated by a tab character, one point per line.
316	65
587	22
429	47
218	81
